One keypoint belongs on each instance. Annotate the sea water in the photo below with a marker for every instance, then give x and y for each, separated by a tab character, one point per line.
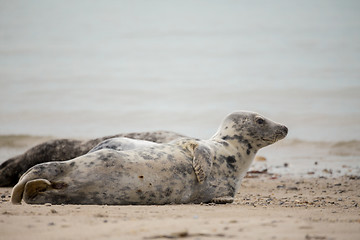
84	69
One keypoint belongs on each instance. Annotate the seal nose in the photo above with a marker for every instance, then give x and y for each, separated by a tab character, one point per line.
285	129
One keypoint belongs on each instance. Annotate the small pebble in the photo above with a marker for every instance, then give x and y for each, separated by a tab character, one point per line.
53	211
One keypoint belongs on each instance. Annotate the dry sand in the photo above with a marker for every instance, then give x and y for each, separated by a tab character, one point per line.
267	207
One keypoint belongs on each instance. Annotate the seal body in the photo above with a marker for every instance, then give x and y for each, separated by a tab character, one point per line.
66	149
186	170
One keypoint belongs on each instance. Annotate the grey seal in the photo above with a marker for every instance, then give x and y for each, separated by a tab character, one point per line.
66	149
186	170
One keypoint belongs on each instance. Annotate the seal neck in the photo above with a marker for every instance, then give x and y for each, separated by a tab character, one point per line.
238	142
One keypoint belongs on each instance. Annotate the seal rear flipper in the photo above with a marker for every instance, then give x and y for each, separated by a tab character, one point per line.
34	187
17	193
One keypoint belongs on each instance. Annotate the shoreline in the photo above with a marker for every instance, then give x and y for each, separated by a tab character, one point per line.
266	207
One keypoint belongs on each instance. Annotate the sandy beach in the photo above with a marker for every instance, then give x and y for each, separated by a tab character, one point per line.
87	69
267	207
274	202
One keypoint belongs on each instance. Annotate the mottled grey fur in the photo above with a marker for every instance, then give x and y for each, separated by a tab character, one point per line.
122	144
183	171
65	149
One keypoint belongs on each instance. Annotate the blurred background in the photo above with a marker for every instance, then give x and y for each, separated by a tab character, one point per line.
85	69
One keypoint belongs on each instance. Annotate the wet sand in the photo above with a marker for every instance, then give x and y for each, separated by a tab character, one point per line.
267	207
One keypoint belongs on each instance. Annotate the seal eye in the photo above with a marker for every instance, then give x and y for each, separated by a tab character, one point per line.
260	121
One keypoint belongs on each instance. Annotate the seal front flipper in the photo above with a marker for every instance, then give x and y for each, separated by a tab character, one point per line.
223	200
202	162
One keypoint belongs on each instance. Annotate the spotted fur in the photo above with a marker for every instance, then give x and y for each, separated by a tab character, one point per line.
122	144
186	170
66	149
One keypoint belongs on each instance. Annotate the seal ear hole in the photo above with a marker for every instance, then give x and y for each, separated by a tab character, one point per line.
141	177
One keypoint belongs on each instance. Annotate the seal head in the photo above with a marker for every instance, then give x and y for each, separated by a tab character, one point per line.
251	128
